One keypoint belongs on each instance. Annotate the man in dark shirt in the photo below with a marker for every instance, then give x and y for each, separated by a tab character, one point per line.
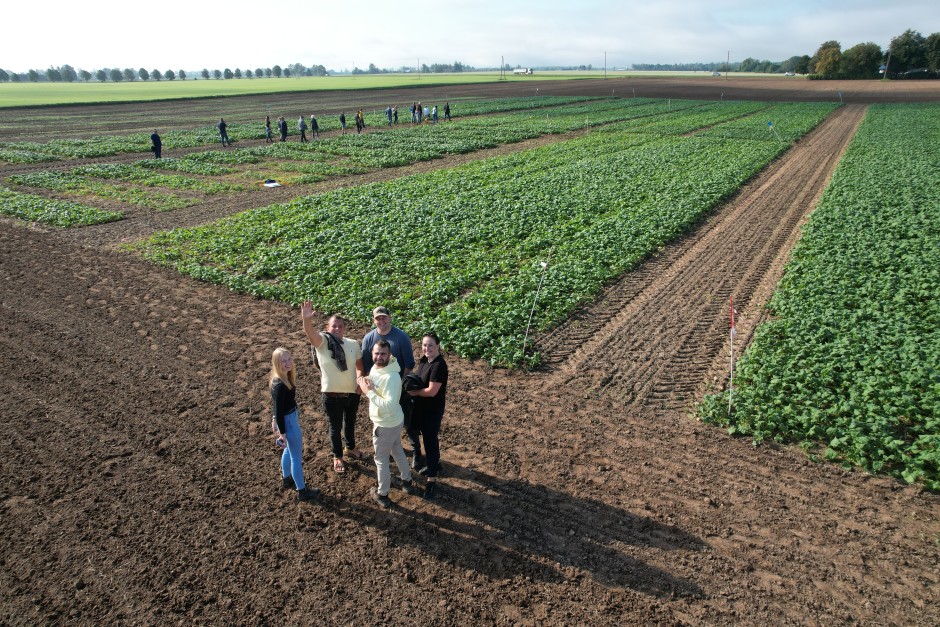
223	133
157	147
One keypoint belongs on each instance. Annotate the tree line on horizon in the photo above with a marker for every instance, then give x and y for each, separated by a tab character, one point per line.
909	54
68	74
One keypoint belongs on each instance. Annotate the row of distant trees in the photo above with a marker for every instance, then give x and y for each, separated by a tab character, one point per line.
908	52
424	68
68	74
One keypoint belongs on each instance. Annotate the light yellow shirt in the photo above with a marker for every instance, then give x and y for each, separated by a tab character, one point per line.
384	407
331	379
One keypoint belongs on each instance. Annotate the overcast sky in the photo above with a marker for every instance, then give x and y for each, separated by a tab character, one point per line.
192	34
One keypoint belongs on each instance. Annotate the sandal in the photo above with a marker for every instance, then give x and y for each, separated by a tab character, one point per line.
338	465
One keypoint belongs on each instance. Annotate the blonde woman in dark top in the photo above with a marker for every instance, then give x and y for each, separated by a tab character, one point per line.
286	423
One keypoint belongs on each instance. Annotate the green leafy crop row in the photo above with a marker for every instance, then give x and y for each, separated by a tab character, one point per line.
55	212
851	362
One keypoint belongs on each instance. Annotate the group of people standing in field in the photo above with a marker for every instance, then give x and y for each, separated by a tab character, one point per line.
421	113
402	395
418	116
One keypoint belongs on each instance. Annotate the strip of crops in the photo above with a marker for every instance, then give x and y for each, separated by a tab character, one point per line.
77	179
783	122
412	144
55	212
107	145
459	250
851	361
74	184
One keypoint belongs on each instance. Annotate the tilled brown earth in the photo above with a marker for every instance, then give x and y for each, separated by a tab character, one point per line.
139	483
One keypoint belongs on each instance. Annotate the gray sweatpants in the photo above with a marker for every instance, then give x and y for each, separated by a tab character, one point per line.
387	443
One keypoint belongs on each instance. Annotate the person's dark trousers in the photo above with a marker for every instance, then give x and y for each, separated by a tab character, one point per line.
341	416
428	426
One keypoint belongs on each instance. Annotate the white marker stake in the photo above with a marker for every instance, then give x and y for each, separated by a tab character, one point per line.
734	334
534	300
773	130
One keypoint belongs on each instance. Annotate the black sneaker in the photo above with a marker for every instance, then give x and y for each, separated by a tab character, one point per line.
407	486
289	483
430	492
307	494
382	499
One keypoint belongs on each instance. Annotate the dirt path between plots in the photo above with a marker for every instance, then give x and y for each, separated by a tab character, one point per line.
138	483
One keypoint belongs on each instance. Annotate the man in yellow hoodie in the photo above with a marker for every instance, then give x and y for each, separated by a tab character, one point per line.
383	388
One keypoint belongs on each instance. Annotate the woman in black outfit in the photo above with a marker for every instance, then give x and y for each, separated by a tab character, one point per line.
428	411
283	395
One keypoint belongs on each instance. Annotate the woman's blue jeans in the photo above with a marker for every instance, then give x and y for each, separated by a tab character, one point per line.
292	456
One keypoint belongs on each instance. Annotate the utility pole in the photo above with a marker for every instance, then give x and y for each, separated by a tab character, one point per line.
605	65
728	65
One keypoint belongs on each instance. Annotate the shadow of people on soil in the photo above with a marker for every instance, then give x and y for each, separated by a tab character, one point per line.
503	528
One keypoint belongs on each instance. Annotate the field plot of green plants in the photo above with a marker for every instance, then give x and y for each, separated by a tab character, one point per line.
130	182
851	363
143	184
459	251
109	145
56	212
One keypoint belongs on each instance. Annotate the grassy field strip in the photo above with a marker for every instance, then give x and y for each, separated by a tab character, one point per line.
461	247
850	365
45	93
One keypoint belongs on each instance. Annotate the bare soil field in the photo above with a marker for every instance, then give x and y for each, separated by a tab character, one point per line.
139	482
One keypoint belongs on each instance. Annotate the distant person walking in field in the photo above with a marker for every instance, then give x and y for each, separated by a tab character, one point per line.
360	123
314	128
223	133
156	145
340	361
427	114
342	121
414	112
428	412
388	114
382	386
286	424
434	114
282	128
420	117
268	139
302	127
395	114
447	111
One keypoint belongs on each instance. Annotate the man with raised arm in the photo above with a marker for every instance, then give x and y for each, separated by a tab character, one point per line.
340	362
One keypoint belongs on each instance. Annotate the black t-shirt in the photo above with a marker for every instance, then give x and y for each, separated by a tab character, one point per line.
284	401
434	371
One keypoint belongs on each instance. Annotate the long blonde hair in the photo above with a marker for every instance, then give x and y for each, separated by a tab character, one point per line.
277	370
